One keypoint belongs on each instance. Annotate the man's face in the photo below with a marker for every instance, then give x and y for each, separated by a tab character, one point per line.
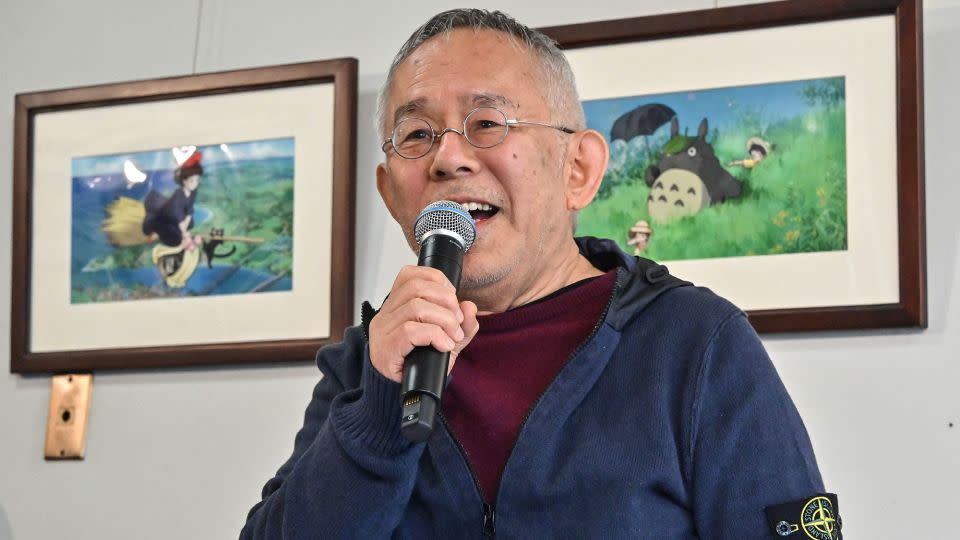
522	179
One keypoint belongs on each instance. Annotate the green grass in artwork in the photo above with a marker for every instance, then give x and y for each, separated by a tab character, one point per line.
795	201
253	205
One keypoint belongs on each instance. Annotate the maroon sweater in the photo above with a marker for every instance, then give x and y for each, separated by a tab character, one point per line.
508	365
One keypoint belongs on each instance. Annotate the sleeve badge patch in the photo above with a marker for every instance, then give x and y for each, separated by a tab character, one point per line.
817	518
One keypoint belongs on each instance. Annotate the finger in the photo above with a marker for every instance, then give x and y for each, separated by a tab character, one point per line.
415	334
421	273
422	311
470	325
407	291
388	353
450	363
416	295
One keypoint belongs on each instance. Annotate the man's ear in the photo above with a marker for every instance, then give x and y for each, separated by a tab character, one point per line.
385	188
587	158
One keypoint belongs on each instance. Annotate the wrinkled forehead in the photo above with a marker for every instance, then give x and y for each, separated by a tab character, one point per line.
425	106
465	68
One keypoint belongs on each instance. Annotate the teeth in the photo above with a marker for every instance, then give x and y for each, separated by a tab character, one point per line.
474	206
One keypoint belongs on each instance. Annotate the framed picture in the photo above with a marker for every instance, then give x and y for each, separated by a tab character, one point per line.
771	152
186	221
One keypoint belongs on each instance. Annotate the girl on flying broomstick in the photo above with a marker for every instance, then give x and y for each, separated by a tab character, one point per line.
170	220
167	219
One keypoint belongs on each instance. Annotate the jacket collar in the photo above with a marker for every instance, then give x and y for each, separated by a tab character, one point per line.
639	281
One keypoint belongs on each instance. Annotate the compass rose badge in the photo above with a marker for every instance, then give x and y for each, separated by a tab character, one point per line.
819	520
816	518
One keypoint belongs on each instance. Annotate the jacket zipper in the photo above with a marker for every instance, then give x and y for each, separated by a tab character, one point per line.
367	312
489	510
596	327
489	521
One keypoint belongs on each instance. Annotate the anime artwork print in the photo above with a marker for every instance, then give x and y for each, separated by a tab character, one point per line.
184	221
725	172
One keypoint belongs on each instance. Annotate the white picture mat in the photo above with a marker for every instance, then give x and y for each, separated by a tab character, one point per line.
302	112
862	50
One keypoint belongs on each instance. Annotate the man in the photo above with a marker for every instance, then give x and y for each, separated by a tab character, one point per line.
592	394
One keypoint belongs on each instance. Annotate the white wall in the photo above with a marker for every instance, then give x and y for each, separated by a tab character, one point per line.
183	453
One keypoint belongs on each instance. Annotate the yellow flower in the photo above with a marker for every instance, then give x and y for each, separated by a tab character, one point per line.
780	218
792	236
777	249
822	194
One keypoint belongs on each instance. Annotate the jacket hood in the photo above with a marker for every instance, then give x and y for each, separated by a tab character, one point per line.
639	281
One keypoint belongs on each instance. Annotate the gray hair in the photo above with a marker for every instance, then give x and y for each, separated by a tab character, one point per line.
561	88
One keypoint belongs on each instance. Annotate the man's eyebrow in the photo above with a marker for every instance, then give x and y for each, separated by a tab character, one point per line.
491	100
408	108
477	100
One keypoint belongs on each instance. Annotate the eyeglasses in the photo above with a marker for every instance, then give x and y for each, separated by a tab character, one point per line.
483	127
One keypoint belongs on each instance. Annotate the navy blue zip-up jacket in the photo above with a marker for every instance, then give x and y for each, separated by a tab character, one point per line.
669	422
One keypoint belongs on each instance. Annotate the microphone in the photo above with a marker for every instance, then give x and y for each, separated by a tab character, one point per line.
445	231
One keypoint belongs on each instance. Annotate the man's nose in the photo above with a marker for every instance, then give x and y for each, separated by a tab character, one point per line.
455	156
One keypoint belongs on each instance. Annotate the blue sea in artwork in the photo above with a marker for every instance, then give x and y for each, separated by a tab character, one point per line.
220	279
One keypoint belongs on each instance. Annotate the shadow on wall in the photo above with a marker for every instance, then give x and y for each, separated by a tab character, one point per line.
5	532
943	232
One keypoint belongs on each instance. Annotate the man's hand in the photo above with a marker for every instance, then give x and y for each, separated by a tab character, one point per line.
422	310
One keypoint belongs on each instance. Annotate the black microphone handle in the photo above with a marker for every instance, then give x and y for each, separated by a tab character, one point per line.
425	368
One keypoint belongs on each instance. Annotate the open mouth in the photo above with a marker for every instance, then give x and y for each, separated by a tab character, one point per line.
480	211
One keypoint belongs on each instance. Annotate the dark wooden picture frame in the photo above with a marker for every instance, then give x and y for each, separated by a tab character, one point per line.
338	76
911	309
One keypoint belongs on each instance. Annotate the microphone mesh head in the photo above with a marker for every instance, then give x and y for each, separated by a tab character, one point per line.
446	215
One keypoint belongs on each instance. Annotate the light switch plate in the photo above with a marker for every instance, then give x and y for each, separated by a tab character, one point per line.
67	418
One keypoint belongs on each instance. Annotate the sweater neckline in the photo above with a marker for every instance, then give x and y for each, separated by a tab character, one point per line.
558	303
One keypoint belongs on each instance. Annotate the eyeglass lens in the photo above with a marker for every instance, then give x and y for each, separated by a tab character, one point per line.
483	127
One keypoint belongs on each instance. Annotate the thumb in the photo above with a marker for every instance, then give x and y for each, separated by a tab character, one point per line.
470	327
